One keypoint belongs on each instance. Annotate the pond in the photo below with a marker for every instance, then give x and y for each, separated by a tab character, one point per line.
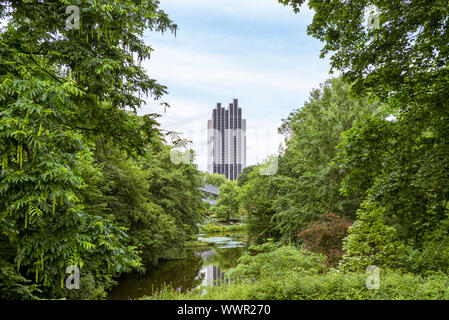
201	267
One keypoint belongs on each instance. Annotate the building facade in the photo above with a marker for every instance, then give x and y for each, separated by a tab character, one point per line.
226	132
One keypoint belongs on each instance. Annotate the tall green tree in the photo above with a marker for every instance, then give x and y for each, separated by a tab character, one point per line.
403	58
228	203
243	176
306	186
176	189
156	223
258	196
313	133
61	89
402	164
214	178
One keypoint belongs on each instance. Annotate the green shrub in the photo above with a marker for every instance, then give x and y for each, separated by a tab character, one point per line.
270	272
14	286
275	261
371	241
433	255
333	285
166	293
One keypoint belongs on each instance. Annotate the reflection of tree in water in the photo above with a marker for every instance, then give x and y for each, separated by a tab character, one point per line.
238	235
216	262
204	267
225	258
176	273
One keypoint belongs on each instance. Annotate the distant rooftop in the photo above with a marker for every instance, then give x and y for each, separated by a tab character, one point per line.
210	188
212	202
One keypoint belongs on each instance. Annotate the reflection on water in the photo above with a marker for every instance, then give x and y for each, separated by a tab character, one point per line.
201	268
211	274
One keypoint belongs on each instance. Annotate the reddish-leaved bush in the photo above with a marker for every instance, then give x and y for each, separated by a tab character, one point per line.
326	237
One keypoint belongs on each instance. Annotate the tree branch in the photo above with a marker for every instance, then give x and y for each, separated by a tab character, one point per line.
51	75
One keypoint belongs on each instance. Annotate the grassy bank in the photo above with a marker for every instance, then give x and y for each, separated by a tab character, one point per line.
286	273
197	245
222	228
330	286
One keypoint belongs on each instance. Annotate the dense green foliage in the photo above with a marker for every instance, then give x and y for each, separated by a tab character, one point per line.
371	241
213	178
330	286
284	273
377	136
307	184
243	176
269	261
405	58
84	181
228	202
157	201
400	165
222	228
257	198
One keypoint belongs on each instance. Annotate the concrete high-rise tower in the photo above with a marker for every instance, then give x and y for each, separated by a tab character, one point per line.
226	146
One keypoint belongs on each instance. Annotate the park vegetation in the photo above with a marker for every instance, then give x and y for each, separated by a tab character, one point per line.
84	181
363	179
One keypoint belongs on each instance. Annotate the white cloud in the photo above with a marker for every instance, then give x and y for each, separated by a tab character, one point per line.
240	8
218	72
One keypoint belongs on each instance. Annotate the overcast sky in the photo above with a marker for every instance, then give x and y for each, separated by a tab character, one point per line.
254	50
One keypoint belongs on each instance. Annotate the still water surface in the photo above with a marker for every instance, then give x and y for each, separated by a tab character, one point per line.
200	268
